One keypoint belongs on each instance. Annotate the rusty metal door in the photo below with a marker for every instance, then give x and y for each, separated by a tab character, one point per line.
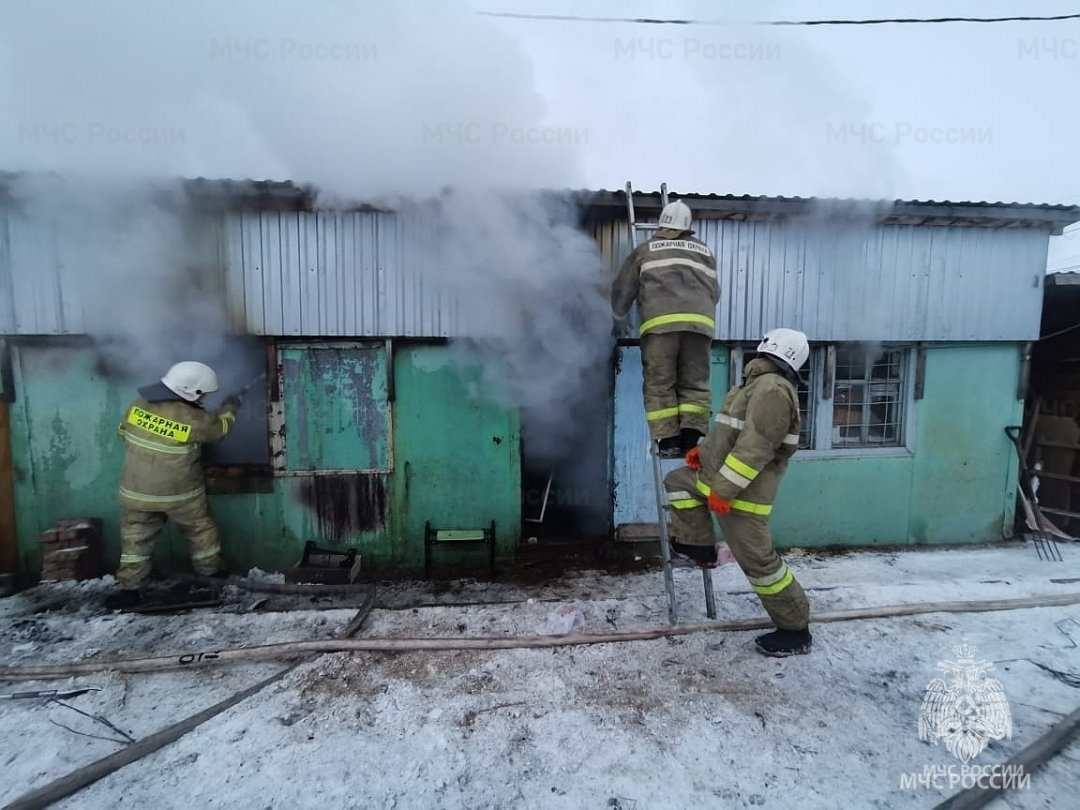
334	408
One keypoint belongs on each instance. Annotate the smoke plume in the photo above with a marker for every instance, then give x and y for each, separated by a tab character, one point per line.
423	104
530	286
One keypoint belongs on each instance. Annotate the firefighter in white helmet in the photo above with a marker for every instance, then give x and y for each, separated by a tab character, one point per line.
672	277
735	473
163	477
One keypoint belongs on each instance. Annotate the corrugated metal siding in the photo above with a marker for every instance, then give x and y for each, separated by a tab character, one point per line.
838	282
37	288
336	274
372	274
44	271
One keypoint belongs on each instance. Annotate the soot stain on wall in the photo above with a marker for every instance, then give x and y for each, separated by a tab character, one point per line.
345	505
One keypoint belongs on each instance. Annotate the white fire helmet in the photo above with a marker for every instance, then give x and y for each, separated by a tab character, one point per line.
191	380
787	345
675	216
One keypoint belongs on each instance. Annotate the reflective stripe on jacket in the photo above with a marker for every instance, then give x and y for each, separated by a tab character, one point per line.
751	441
674	282
163	455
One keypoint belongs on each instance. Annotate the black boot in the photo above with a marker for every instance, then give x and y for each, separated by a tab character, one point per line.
689	439
705	556
670	447
782	643
123	600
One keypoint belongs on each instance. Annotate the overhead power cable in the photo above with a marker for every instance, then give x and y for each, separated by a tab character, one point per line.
886	21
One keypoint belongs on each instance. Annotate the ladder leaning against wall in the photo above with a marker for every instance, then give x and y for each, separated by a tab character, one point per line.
645	229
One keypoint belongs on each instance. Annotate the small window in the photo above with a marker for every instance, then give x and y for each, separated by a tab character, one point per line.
807	403
242	365
867	401
852	396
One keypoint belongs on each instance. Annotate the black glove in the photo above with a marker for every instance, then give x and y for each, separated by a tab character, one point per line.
231	404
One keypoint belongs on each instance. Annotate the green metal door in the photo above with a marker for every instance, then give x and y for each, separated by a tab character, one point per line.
336	408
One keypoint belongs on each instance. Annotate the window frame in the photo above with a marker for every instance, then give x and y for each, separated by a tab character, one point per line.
229	477
822	357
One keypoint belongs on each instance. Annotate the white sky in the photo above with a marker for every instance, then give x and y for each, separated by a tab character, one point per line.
956	111
372	98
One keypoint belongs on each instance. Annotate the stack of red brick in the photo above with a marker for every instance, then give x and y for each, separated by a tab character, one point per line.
71	550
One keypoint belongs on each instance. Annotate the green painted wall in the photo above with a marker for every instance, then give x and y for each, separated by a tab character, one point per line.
456	461
957	486
65	451
455	450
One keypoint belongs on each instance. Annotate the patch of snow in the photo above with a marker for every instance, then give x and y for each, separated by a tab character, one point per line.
699	720
258	575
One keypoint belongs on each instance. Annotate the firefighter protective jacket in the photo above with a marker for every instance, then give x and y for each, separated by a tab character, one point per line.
163	461
752	439
674	282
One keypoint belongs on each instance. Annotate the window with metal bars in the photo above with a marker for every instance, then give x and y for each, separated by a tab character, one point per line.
868	397
852	396
807	402
807	406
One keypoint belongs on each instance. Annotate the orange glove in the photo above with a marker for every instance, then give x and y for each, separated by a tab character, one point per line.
693	459
720	506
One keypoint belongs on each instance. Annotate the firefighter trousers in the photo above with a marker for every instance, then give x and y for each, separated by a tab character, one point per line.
675	368
141	523
748	537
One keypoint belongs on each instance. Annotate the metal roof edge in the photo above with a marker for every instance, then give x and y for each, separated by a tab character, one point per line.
286	195
912	212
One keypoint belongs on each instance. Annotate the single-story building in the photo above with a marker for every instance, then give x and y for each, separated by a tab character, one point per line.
371	425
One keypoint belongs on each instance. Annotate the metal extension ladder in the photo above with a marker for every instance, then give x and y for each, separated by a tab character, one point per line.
658	474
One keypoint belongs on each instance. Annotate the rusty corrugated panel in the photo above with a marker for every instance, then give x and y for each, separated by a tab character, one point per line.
840	282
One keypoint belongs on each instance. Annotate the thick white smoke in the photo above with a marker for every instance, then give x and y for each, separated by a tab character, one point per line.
360	99
365	101
531	288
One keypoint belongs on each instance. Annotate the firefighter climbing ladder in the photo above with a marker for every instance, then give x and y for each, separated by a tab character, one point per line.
634	228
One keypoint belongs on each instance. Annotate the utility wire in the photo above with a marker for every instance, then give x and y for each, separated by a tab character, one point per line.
888	21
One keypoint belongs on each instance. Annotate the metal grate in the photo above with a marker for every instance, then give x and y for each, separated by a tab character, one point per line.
868	397
808	403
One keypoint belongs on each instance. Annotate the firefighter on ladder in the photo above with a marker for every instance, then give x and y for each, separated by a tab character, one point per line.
672	276
163	476
735	473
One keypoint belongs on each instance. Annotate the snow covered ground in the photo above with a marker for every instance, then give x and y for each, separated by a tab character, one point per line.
699	720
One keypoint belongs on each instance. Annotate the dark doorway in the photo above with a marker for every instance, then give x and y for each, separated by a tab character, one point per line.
1053	414
566	470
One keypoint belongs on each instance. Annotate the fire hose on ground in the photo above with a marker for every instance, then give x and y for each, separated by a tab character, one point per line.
1033	756
292	649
